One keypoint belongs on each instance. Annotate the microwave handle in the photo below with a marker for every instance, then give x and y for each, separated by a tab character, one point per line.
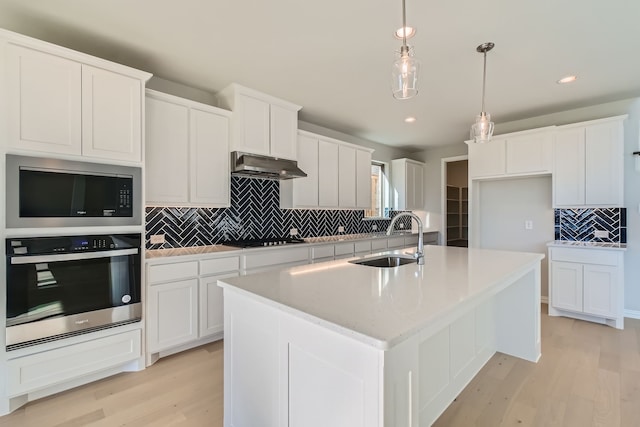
71	257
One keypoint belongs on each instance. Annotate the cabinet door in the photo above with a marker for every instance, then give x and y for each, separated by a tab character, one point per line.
209	150
415	192
363	179
568	171
305	190
253	131
529	153
166	152
111	115
327	174
488	159
173	314
211	305
284	130
600	290
346	177
44	101
604	164
566	285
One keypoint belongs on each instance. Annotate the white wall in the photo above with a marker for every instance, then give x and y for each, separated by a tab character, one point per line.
177	89
505	205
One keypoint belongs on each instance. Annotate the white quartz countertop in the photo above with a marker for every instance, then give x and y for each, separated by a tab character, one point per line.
383	306
592	245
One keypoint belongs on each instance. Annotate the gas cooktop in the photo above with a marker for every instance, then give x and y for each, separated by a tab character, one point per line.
263	242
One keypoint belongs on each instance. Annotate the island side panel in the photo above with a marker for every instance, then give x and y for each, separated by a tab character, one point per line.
281	370
518	317
424	373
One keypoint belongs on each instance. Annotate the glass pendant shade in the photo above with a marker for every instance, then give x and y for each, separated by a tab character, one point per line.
482	129
404	75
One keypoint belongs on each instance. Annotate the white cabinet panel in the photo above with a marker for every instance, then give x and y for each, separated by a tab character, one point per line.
172	271
487	159
346	177
530	153
363	179
167	149
173	314
44	98
566	292
600	290
209	150
211	306
189	140
328	174
604	164
40	370
407	178
284	126
305	190
111	115
253	131
589	168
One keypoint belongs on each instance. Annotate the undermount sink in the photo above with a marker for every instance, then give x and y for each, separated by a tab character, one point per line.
385	261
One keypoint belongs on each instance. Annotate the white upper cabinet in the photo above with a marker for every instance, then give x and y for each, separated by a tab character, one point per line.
64	102
520	153
338	175
347	176
261	124
407	179
187	153
588	168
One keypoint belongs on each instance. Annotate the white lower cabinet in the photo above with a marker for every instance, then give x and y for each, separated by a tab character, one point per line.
184	302
587	284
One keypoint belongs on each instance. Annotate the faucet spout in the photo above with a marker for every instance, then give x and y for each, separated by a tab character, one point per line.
419	255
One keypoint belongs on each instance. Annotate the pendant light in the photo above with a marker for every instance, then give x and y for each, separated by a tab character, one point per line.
404	72
482	129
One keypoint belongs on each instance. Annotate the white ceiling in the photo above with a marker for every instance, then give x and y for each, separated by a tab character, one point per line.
334	57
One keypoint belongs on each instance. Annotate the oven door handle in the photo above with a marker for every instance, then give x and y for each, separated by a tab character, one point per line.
71	257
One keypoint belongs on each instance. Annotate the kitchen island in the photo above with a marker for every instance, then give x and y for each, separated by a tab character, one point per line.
340	344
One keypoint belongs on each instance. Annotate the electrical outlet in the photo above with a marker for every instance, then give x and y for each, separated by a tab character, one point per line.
157	239
401	225
374	227
340	229
293	232
528	225
603	234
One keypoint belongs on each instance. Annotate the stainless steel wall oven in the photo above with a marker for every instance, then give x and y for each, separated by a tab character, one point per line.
62	286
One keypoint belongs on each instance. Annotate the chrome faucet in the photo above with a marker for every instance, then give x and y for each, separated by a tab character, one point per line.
419	255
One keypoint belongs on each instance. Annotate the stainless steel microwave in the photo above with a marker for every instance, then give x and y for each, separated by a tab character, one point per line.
45	192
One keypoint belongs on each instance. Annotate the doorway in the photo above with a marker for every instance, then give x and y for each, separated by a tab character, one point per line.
455	203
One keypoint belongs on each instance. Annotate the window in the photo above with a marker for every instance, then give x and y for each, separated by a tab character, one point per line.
379	187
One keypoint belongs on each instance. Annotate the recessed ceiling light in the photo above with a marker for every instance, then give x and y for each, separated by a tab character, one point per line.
567	79
410	32
410	119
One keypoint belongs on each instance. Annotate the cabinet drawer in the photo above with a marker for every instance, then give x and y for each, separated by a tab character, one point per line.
219	265
587	256
344	249
379	244
174	271
322	252
362	247
45	369
411	240
275	257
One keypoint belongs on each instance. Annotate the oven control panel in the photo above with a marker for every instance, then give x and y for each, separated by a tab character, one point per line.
69	244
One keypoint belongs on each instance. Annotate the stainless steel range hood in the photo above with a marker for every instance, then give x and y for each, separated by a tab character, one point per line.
254	166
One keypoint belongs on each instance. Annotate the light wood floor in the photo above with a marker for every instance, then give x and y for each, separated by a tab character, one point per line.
589	375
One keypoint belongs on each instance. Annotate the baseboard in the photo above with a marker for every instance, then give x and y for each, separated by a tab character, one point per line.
544	300
632	314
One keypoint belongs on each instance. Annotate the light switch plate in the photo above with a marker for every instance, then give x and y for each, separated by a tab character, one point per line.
603	234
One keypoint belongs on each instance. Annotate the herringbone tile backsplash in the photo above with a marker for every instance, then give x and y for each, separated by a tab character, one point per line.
580	224
254	214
